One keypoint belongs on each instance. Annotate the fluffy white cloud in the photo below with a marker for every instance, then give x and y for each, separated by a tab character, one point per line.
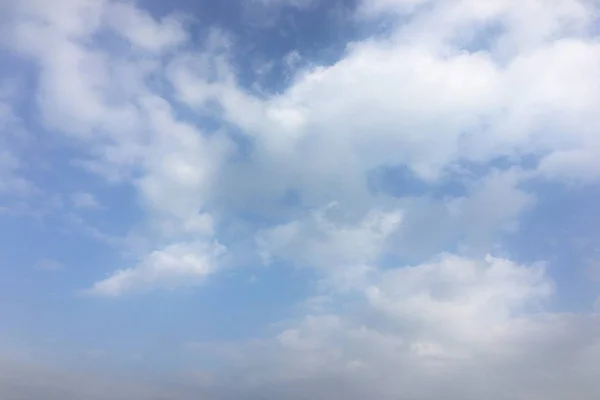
345	252
122	129
320	242
475	327
458	299
142	30
176	265
75	81
470	223
447	308
455	86
440	90
429	96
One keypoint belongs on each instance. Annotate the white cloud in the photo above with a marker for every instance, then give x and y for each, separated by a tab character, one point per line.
466	301
471	223
522	25
431	104
122	128
341	250
476	327
75	81
73	17
572	165
494	204
438	95
180	163
143	30
176	265
447	308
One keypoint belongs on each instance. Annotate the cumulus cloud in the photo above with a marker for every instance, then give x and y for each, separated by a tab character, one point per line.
345	252
455	328
122	130
142	30
467	300
320	242
176	265
430	103
488	95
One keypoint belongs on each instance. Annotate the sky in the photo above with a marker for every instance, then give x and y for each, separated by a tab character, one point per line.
299	199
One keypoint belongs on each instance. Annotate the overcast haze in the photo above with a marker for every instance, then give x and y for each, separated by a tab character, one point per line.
299	199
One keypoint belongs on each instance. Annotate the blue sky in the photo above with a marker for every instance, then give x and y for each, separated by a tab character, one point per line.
285	199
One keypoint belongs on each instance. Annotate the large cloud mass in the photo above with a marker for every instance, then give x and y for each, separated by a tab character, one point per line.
416	298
